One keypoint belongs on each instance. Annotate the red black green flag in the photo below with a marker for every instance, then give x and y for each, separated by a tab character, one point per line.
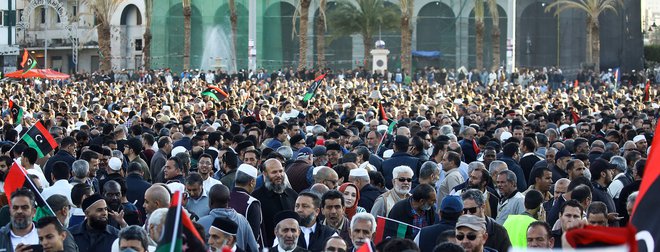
17	178
646	90
28	61
179	233
16	113
381	113
215	92
40	139
312	89
386	227
644	216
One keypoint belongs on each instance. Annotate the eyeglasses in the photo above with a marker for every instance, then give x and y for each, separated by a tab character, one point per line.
470	236
404	180
471	210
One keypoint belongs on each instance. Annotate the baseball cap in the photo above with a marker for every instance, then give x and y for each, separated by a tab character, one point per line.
472	222
451	204
599	165
319	151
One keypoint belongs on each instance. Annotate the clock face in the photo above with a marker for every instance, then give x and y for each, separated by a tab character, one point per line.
380	63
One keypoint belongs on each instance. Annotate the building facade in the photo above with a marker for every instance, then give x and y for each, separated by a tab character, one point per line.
529	34
9	50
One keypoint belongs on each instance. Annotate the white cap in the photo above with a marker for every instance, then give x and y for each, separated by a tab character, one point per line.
381	128
178	150
114	163
125	110
388	154
563	127
639	138
79	124
248	169
176	186
316	170
359	172
505	135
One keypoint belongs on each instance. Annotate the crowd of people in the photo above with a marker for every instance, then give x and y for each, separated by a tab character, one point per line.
470	161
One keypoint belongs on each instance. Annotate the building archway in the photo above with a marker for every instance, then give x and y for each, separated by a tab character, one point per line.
280	48
175	38
439	18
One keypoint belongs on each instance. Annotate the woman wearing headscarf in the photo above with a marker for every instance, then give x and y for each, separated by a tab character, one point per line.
351	198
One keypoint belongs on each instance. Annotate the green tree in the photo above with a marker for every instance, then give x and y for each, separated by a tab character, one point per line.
593	9
362	17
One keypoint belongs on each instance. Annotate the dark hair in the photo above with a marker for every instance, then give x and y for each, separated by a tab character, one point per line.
349	158
454	157
581	180
148	138
529	143
162	141
178	162
376	178
78	191
194	178
422	192
437	147
444	236
88	155
67	141
510	149
538	173
399	244
533	199
363	152
543	224
581	193
48	220
23	192
214	138
315	198
571	203
134	233
640	167
448	247
134	144
597	208
331	195
61	170
31	155
134	167
401	145
205	155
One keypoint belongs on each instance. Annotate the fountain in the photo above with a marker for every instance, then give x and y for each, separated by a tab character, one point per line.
217	50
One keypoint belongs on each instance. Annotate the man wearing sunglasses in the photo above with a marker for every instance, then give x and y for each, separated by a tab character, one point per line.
474	204
471	233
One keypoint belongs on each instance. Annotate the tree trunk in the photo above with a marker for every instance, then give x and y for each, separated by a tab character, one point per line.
233	18
187	13
495	33
146	50
367	42
302	34
479	27
103	31
406	36
320	37
595	45
589	46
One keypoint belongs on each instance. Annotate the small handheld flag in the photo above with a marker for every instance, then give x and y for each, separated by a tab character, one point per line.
16	113
40	139
28	62
179	233
17	178
381	112
215	92
387	227
312	89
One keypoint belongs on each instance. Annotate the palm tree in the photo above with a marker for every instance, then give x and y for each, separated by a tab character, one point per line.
495	31
302	11
406	33
103	10
320	37
593	9
146	50
362	17
233	18
187	13
479	31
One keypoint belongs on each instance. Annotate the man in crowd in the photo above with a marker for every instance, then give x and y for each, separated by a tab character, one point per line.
512	201
243	202
205	168
363	226
219	203
418	210
540	236
287	232
135	238
313	234
223	234
402	181
451	208
198	201
471	233
94	233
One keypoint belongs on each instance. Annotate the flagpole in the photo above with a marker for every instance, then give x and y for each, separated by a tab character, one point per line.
398	222
176	220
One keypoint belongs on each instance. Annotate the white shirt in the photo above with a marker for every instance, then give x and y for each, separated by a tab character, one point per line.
31	238
306	232
210	182
61	187
36	170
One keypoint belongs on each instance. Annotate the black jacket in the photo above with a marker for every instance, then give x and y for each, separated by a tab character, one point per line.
428	235
368	195
403	212
136	186
92	240
498	238
317	238
271	204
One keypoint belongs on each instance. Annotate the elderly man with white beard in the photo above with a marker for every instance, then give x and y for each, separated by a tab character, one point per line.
402	181
275	196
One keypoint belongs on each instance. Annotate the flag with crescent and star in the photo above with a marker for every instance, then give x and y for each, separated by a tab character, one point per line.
17	178
16	113
40	139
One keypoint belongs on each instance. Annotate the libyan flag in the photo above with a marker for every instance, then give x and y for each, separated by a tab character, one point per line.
179	233
312	89
644	216
215	92
17	178
39	138
386	227
16	113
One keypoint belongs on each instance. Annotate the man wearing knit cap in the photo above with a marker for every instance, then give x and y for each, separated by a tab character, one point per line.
94	233
471	233
223	233
243	202
287	232
641	143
